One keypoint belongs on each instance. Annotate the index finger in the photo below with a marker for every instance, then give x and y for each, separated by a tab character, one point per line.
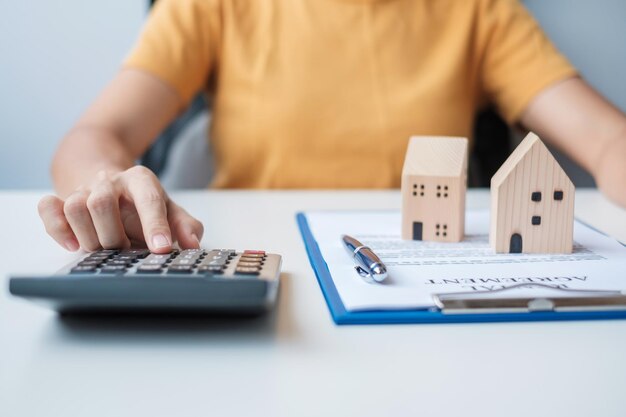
150	202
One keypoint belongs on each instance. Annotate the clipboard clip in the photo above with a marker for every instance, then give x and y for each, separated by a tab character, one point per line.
477	302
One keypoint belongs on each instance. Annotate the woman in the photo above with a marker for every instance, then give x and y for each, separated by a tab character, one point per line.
306	92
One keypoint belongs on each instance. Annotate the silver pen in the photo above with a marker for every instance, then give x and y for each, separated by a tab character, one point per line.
368	263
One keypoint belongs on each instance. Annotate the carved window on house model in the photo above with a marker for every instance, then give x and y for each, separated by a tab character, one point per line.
418	189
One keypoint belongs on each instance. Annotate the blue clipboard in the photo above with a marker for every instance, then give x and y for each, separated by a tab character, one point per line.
342	316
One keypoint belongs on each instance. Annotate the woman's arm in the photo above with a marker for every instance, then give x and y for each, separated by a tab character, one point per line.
116	129
105	200
577	120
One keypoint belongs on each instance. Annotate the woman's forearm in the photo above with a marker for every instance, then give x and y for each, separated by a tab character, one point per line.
580	122
83	153
115	130
610	172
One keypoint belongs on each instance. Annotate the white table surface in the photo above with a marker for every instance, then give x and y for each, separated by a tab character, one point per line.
294	362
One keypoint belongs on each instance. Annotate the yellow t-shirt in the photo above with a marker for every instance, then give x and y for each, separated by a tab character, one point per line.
325	93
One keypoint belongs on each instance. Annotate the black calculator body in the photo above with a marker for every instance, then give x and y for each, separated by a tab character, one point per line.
135	280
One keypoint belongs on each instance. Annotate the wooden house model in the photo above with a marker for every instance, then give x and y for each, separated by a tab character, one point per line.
434	181
532	202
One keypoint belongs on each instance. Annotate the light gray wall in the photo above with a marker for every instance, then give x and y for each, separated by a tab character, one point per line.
592	34
55	55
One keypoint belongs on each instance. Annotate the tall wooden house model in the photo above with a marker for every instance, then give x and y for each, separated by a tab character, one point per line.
532	202
434	181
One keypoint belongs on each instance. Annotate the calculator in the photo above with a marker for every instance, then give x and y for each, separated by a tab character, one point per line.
135	280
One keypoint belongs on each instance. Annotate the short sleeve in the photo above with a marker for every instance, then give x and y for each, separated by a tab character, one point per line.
519	61
179	43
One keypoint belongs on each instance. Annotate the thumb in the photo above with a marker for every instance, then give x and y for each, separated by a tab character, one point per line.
186	229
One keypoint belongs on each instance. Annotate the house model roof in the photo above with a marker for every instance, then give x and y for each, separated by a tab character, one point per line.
436	156
530	143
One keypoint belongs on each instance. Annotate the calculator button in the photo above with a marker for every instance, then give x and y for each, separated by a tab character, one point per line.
89	263
139	253
107	252
222	259
155	259
113	269
252	256
253	260
187	260
189	255
247	270
254	252
117	262
154	262
227	252
249	264
100	258
149	269
179	261
180	269
215	269
216	262
195	252
159	256
83	269
129	258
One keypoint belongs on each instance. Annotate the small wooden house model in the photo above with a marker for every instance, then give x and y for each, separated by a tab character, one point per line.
532	202
434	181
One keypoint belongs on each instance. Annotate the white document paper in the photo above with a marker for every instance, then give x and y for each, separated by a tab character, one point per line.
417	270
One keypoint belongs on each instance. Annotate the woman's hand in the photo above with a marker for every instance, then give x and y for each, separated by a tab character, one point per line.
120	210
107	202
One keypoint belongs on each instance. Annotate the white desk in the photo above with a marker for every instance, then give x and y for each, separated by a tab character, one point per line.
295	362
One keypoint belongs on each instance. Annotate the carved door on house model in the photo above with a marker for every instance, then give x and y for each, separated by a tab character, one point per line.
515	245
417	230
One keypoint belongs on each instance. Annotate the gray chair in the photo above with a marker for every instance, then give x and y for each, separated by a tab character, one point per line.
181	155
